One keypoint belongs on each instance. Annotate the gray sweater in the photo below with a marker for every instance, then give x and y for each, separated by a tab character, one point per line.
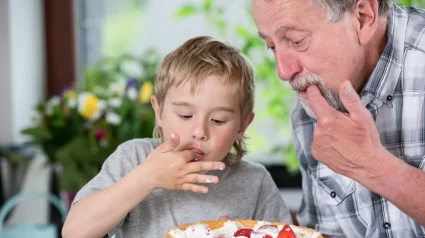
245	191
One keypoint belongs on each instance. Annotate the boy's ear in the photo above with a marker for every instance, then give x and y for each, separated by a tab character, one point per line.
157	110
367	19
245	125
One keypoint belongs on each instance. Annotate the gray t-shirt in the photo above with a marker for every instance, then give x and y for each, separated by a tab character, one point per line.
245	191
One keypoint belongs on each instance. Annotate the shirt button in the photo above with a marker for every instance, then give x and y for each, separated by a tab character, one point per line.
389	97
333	194
387	225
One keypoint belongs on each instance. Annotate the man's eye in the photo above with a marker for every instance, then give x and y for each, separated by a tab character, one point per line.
185	116
217	122
272	48
299	44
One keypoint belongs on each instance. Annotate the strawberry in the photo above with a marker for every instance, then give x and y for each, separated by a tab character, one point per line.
267	229
257	234
286	232
243	232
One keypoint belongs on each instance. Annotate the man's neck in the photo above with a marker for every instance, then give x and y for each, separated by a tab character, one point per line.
374	49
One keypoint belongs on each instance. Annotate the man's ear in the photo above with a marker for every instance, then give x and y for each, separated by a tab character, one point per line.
367	19
245	125
157	110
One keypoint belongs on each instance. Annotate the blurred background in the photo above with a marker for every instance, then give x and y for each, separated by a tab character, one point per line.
75	81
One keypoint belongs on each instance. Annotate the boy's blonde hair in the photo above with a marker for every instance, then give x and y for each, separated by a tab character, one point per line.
199	58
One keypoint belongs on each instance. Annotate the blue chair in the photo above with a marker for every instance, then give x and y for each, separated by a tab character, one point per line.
20	230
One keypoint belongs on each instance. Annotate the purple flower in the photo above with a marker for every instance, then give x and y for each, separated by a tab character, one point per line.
131	83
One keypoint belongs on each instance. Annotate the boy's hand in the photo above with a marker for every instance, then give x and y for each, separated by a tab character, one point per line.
171	169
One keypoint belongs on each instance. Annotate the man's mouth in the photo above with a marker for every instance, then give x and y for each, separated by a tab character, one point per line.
302	92
199	154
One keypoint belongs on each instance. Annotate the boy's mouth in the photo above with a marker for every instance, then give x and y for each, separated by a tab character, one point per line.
199	154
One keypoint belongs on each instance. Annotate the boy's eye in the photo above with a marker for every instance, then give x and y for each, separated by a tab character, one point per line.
185	116
218	122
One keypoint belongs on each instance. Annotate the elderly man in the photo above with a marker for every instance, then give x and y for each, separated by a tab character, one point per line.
358	70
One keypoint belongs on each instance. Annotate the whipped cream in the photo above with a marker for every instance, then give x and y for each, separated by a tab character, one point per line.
230	227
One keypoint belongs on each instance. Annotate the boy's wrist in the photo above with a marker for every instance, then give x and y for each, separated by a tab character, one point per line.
146	176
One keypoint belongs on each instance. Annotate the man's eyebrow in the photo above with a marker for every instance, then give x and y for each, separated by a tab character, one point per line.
262	36
283	29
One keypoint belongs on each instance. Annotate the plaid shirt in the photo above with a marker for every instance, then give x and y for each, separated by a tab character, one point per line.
395	96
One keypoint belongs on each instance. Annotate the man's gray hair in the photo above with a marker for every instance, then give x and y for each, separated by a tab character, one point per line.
337	8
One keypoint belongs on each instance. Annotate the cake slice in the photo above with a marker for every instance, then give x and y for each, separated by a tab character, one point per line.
241	229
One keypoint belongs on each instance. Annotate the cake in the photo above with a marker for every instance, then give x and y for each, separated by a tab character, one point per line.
241	229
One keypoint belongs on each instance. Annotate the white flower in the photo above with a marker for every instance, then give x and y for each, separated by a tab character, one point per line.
54	101
72	103
115	102
132	68
132	93
113	118
117	88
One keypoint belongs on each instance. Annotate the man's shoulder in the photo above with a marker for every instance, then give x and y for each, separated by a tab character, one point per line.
415	30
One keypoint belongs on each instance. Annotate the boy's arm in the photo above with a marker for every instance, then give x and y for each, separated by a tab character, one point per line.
98	213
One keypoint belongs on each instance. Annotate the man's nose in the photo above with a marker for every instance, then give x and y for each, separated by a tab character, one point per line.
200	131
287	65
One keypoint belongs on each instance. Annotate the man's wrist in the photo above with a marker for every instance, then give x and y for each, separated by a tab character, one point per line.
384	173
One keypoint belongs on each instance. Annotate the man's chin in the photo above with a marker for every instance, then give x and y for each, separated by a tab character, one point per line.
305	105
307	108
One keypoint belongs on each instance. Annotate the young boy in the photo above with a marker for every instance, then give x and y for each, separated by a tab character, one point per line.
203	105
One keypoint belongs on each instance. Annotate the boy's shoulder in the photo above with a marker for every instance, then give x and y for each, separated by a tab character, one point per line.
140	143
245	166
137	148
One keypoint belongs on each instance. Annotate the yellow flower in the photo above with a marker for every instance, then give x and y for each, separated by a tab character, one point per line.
69	94
146	92
89	106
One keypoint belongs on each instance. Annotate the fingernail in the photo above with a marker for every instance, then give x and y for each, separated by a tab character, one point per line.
205	190
208	180
348	88
219	167
172	136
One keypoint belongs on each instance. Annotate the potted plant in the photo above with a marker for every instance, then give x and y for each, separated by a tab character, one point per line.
81	127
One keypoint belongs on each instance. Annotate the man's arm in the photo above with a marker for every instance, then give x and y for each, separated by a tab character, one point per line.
349	144
398	182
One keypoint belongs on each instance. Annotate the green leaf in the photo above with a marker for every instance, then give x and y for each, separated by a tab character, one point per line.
37	133
242	31
207	5
186	11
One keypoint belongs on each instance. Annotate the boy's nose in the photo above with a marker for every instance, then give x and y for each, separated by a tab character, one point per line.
200	133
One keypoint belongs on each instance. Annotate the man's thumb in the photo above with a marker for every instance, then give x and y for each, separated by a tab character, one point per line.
172	143
350	99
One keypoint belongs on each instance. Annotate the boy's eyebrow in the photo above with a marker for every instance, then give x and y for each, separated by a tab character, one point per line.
219	108
222	108
178	103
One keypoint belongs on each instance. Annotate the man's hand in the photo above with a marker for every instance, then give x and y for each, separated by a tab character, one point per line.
345	142
171	169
